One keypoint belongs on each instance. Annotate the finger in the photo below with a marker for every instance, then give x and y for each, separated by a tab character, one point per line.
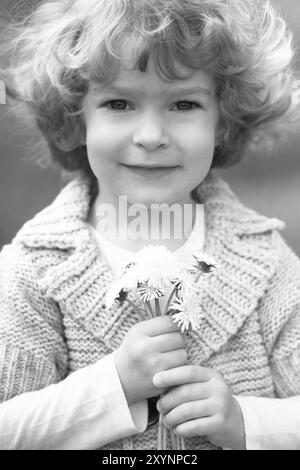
173	359
159	325
183	394
181	375
169	342
196	427
188	411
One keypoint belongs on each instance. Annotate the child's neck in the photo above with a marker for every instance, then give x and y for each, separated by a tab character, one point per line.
148	225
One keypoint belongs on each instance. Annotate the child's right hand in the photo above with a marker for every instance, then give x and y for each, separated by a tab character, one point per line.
149	347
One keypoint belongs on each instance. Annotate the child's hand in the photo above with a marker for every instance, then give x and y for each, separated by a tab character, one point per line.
149	346
201	405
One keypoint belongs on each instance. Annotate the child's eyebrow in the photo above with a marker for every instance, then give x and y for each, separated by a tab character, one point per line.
183	90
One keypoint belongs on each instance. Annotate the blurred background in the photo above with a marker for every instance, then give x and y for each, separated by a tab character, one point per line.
268	184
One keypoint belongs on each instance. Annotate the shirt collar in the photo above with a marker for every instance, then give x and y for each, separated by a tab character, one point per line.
63	223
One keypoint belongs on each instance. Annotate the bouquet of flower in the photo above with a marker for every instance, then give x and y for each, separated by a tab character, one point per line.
165	286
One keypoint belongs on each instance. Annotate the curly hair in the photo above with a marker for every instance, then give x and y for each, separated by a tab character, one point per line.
61	47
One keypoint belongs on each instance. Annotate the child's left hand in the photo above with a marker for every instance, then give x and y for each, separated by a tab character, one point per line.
201	404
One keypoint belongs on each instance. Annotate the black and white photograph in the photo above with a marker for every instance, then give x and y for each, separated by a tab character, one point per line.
150	227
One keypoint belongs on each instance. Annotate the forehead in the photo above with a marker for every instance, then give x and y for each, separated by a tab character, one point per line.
150	80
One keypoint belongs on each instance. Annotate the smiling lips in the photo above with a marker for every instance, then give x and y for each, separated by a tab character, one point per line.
150	167
150	170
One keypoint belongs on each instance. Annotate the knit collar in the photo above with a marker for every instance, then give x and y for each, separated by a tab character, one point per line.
238	238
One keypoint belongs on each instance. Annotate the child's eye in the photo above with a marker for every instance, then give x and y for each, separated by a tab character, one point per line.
116	105
120	105
187	105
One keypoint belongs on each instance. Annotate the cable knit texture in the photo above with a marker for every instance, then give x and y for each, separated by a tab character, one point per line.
53	281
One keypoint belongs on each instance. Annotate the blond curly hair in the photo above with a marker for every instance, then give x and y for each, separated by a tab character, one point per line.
60	47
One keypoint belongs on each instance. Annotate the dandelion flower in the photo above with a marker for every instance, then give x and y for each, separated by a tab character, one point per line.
158	267
186	305
149	293
117	293
205	262
120	288
187	313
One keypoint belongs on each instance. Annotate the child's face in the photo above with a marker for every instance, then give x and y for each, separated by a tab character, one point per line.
144	125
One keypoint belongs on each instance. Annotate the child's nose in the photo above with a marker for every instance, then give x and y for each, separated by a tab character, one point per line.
150	132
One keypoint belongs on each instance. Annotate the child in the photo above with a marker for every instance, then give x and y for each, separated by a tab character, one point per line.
144	99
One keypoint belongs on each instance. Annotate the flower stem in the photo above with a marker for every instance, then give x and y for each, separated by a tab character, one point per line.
169	300
164	438
160	432
148	304
157	306
174	441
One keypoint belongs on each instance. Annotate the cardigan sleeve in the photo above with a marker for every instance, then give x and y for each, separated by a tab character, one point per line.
74	414
62	411
280	322
33	353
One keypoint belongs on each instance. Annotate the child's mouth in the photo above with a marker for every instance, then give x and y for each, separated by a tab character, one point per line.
148	171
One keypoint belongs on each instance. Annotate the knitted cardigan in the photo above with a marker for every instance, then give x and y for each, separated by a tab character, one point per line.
53	280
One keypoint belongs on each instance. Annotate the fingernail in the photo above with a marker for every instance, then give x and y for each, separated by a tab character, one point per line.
157	382
158	407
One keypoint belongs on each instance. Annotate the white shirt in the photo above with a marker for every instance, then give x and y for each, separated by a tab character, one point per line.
77	413
116	255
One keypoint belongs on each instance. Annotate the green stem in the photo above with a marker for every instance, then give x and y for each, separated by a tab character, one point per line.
160	432
169	300
174	441
165	435
148	305
157	306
